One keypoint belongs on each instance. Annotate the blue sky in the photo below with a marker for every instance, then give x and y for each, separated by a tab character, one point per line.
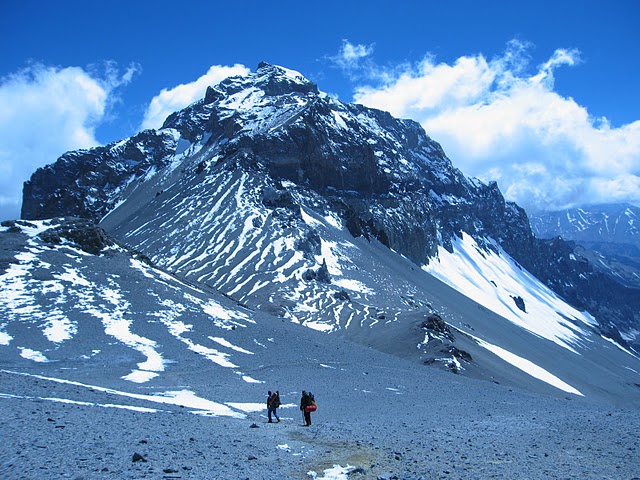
539	96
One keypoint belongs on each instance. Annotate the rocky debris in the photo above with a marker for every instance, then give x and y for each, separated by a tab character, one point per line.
310	245
138	458
439	345
279	198
342	295
321	274
436	327
11	226
82	233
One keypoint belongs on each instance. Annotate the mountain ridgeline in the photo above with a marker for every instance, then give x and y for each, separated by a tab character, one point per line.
241	189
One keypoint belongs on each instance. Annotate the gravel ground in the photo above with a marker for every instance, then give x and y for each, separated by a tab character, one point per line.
388	420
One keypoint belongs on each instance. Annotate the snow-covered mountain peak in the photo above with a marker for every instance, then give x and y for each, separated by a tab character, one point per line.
277	80
323	213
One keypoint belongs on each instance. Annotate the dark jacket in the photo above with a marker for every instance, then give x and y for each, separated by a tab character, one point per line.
305	401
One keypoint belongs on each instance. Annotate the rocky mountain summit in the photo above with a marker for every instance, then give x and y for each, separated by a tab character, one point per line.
294	147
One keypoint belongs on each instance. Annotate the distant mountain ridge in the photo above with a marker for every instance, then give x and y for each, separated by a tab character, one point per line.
611	224
329	214
609	233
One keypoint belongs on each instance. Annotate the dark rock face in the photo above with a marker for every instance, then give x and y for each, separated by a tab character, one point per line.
519	301
384	177
85	183
437	327
321	274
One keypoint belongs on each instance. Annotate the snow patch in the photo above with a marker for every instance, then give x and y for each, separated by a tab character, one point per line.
33	355
527	367
140	376
494	280
183	398
335	473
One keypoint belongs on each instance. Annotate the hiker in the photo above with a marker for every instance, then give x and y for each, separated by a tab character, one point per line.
273	402
307	405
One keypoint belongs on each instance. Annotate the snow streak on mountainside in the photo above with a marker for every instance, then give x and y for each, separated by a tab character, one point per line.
59	302
321	212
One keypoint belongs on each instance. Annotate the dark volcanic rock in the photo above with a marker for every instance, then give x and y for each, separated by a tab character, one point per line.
81	232
519	301
85	183
138	458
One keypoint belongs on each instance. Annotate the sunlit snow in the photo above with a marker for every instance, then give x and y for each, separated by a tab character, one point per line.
33	355
88	404
527	366
184	398
493	280
335	473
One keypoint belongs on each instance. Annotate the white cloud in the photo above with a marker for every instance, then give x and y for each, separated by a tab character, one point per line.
45	112
176	98
350	54
498	122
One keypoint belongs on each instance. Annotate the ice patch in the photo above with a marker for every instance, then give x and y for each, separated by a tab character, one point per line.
59	328
218	312
339	119
248	379
5	338
228	344
327	366
72	276
309	220
333	221
611	340
353	285
319	326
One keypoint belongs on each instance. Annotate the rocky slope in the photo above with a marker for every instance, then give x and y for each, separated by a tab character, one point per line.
323	213
112	368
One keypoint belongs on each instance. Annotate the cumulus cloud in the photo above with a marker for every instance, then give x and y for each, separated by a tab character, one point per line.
176	98
501	119
45	112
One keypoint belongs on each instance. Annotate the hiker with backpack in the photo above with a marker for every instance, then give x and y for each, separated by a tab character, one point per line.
273	402
307	405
